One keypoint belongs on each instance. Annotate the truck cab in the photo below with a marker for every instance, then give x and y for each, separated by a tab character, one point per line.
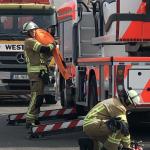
14	81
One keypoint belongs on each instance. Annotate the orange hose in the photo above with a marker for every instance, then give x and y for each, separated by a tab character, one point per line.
46	38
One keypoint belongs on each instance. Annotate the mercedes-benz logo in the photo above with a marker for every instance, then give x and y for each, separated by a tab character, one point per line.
20	58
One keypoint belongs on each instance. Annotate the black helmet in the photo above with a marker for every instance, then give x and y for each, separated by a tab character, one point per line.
129	97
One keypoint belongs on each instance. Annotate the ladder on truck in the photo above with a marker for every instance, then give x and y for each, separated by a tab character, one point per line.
57	121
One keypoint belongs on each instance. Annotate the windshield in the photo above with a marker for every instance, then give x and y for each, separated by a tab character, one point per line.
11	25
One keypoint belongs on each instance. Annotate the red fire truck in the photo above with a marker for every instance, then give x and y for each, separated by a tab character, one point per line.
105	43
105	47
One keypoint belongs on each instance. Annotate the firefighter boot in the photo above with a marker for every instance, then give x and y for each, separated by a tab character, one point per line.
30	124
85	143
37	122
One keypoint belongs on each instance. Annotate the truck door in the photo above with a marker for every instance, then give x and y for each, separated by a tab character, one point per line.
139	79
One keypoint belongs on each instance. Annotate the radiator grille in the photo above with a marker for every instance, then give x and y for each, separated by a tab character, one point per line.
13	63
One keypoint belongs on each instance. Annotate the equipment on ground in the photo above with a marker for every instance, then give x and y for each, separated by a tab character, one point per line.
135	145
85	143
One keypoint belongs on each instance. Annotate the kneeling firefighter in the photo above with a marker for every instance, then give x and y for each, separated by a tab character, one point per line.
36	56
106	123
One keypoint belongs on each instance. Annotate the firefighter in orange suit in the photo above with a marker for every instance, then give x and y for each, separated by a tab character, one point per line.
36	56
106	122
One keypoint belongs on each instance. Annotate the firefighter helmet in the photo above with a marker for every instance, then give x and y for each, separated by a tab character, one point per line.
29	26
129	97
133	97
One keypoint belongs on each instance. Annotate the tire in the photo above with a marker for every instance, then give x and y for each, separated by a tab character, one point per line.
81	110
92	96
50	99
66	94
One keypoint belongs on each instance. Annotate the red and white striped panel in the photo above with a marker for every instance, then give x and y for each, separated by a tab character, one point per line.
126	30
129	6
58	112
47	113
57	126
16	117
139	74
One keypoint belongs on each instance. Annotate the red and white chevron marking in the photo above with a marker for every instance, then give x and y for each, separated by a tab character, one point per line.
21	116
47	113
57	126
57	112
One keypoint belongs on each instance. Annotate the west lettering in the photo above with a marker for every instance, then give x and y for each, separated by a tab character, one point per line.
8	47
14	47
18	47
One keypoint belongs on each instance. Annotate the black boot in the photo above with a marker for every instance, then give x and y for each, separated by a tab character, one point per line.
29	124
37	122
86	144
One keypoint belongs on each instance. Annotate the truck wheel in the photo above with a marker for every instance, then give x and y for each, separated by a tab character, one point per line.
92	96
66	94
81	110
50	99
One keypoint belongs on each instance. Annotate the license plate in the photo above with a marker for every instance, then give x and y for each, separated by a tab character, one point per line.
20	76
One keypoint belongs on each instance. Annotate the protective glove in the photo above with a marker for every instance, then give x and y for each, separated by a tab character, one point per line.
116	123
124	129
50	47
44	76
113	124
56	42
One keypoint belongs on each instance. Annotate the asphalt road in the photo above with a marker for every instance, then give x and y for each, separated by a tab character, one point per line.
16	137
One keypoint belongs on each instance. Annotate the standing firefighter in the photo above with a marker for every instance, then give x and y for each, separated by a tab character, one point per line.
36	56
107	123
